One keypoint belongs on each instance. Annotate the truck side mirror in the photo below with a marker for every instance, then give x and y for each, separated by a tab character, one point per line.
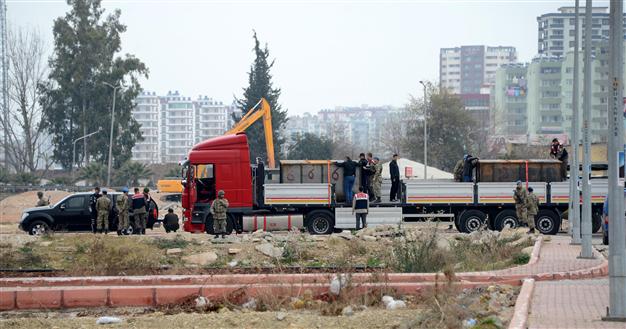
183	182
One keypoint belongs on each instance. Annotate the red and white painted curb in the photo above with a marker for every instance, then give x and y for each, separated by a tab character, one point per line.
522	305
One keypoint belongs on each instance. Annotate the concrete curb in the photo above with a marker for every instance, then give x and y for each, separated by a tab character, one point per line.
522	305
534	255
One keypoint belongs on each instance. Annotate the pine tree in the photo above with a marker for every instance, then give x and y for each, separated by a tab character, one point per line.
260	85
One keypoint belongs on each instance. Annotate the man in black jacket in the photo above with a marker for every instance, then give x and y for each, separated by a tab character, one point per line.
363	164
394	172
92	207
468	168
349	174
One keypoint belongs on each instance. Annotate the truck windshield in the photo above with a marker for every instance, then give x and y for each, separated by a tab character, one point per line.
205	183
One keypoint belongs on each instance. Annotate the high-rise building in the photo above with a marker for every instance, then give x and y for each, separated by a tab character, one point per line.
466	69
556	31
509	111
172	124
146	113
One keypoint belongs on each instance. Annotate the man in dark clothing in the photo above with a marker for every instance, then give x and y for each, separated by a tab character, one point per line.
563	156
349	175
468	167
170	222
260	181
554	148
363	163
394	172
140	212
92	207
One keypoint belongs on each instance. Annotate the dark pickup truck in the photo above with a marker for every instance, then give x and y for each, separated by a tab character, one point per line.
72	213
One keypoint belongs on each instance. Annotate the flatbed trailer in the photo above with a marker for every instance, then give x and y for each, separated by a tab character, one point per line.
311	202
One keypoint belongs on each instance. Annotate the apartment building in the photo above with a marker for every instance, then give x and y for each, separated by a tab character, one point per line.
147	113
556	31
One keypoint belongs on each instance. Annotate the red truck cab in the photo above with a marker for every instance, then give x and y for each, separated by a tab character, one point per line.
221	163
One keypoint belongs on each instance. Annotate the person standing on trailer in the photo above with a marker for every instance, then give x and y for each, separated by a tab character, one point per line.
360	207
349	173
363	164
533	209
521	202
468	168
394	172
377	181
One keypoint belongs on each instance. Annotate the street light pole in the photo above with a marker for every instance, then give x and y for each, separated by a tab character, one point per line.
111	136
74	148
574	211
585	218
617	228
426	104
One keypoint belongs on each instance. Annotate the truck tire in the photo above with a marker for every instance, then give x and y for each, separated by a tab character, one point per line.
320	222
38	227
548	222
471	220
507	217
596	222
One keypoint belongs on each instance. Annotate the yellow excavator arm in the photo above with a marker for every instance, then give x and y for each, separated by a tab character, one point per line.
260	110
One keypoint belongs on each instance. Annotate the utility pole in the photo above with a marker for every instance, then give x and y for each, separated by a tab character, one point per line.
111	136
587	251
74	148
574	211
426	105
4	75
617	228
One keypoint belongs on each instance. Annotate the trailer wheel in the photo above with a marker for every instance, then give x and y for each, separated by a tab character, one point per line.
471	220
506	218
596	222
548	222
320	222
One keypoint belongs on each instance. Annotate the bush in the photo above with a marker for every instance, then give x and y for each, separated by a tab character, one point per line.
24	178
420	256
165	243
521	258
24	257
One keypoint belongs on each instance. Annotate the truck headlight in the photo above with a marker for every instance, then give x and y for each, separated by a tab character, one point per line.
24	215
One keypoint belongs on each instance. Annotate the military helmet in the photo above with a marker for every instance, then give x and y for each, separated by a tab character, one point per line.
220	193
146	190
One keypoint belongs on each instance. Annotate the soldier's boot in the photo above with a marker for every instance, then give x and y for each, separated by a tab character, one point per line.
223	236
217	236
106	231
119	232
143	231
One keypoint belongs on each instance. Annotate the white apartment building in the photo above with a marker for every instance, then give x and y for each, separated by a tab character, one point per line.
177	127
211	118
556	31
146	113
467	69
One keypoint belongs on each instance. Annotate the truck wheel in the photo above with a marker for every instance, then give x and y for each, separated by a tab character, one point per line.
320	222
38	227
506	218
471	220
548	222
596	222
605	238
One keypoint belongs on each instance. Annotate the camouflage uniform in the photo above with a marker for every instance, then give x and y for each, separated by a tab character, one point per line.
520	196
377	181
122	203
219	208
42	202
533	209
103	205
458	171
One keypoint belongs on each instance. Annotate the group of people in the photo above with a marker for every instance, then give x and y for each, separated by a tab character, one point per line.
371	180
137	204
526	205
464	169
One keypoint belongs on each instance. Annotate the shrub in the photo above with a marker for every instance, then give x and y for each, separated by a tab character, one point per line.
112	256
521	258
422	255
165	243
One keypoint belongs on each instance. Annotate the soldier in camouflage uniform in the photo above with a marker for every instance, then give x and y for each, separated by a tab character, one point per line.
42	202
533	209
122	203
377	179
219	208
521	202
103	206
458	171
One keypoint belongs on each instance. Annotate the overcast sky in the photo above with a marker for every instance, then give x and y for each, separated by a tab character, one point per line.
328	53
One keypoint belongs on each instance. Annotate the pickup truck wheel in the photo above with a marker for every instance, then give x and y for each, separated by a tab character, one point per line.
320	222
471	220
506	218
548	222
596	222
38	227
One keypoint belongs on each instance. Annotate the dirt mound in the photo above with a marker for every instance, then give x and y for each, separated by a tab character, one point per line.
12	206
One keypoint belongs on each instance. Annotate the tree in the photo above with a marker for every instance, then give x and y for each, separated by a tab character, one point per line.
94	173
394	133
260	85
26	144
449	128
310	147
131	172
76	99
